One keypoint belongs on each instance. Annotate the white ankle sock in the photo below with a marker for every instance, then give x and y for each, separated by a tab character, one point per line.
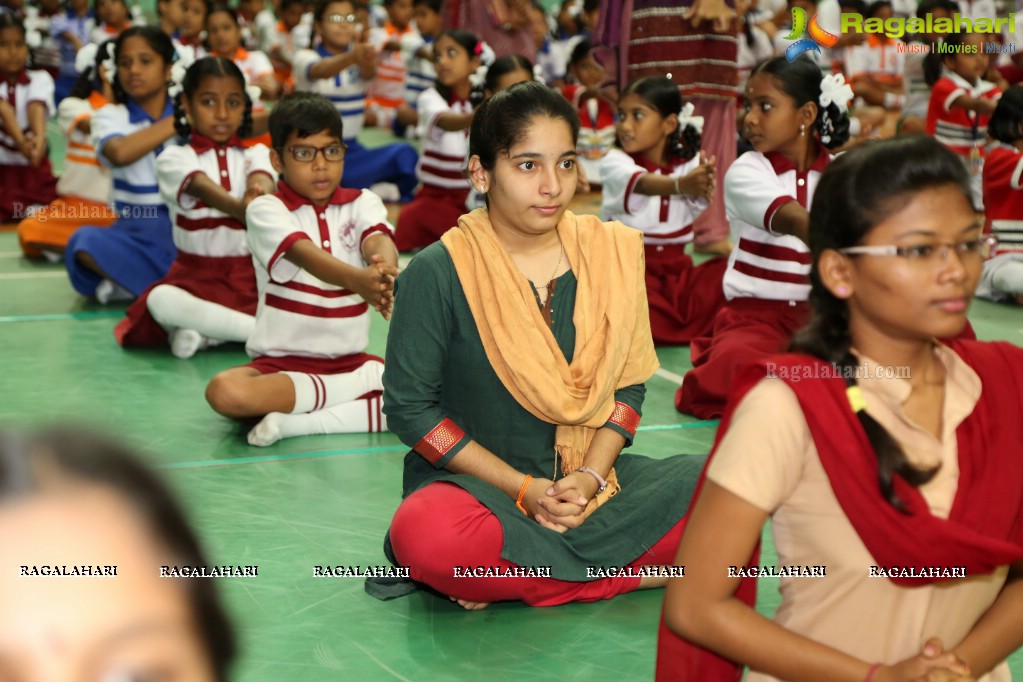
109	291
358	416
316	391
174	308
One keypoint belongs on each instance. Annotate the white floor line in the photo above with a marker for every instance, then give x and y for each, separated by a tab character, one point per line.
670	376
10	254
50	274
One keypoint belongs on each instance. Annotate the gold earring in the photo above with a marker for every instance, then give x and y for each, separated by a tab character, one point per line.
802	129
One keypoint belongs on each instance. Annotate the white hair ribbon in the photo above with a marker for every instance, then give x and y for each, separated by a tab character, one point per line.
686	118
834	90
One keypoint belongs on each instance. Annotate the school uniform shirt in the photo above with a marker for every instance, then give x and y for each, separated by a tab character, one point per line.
387	87
346	90
1003	196
105	32
289	42
80	26
879	59
768	458
135	184
199	229
597	131
299	314
1003	207
253	32
28	86
442	159
421	73
751	53
956	128
83	176
47	54
765	264
663	220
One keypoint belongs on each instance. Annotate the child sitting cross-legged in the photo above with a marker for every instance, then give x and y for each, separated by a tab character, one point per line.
323	254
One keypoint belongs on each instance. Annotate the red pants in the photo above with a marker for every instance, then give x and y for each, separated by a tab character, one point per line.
683	298
441	526
745	330
433	212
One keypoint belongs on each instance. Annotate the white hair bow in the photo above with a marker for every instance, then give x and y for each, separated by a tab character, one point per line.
86	57
835	90
686	118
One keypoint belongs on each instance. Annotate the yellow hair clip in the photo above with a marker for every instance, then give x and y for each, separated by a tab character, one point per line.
856	401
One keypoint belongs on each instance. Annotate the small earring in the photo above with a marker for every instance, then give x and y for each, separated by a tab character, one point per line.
841	292
802	129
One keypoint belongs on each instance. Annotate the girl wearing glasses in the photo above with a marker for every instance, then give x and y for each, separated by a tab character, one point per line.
885	459
209	296
1003	200
340	68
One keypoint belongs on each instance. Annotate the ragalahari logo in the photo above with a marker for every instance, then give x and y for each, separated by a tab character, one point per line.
818	36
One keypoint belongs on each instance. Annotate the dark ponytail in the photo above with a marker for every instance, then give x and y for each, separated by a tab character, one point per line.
662	94
860	189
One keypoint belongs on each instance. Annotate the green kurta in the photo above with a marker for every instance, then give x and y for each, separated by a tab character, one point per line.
436	368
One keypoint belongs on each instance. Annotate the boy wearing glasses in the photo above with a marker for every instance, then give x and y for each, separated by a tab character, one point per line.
323	255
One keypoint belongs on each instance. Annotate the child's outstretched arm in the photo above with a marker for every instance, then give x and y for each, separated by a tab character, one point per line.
374	283
127	149
210	193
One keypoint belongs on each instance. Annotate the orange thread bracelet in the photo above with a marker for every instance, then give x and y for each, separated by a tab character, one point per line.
522	493
871	671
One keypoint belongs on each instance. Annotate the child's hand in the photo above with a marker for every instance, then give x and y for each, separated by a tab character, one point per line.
364	54
375	283
700	181
251	192
37	150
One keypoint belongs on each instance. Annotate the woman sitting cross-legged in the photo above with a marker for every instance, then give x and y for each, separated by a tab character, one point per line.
516	362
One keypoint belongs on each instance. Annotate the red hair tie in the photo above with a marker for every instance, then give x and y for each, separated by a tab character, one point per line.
478	50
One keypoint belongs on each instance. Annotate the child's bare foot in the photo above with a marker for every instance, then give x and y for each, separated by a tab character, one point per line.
470	605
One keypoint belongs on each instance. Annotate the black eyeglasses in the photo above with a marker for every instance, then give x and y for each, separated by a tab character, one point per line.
303	153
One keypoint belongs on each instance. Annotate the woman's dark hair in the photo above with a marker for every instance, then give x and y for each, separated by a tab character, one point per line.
662	94
89	80
472	45
33	463
801	80
877	6
200	69
221	7
502	66
860	189
934	61
501	121
304	113
581	50
8	20
160	43
1006	123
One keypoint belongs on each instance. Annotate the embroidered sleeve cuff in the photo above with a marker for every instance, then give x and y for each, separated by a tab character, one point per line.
440	442
625	418
772	209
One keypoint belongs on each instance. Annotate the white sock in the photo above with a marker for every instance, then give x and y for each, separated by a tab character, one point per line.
1008	278
316	391
357	416
185	343
174	308
109	291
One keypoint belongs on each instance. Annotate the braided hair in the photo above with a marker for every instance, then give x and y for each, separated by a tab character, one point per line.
200	69
860	189
662	94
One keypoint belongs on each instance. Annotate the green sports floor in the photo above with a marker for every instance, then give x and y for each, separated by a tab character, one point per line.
321	500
